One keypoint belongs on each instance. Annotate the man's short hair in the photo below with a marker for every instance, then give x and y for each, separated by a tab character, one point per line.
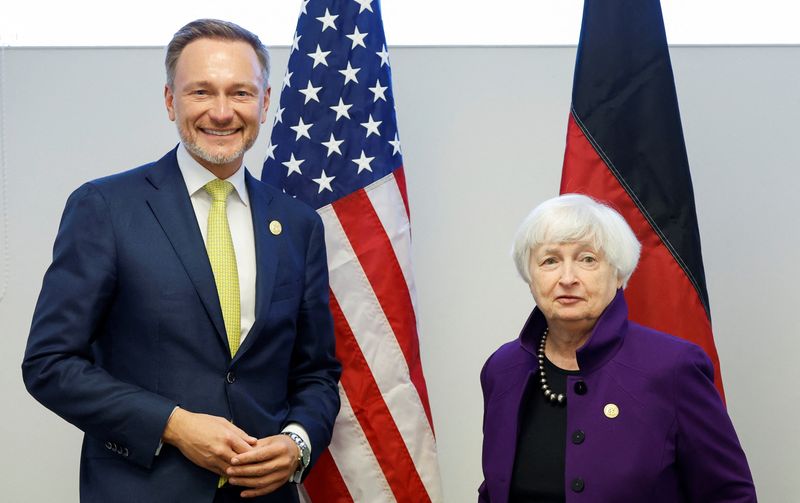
218	30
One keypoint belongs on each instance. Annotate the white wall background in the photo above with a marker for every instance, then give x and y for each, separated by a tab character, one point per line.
407	22
483	137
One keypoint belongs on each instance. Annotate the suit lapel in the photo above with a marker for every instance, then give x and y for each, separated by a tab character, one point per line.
266	255
173	209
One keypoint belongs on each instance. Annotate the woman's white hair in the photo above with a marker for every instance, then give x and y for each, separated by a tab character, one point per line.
570	218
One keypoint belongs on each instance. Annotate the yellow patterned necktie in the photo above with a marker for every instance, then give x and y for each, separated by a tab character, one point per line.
223	260
222	256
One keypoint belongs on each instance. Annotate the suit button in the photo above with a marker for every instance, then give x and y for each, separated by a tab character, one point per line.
125	452
108	445
580	388
230	377
577	484
578	437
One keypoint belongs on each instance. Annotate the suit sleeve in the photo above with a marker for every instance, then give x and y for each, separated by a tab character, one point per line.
59	367
315	371
711	461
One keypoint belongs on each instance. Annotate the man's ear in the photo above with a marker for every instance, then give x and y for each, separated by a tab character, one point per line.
265	105
169	102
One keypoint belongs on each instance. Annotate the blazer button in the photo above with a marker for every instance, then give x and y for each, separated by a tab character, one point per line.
578	437
108	445
230	377
580	388
577	484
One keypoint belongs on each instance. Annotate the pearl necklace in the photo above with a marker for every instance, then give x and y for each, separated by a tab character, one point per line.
552	396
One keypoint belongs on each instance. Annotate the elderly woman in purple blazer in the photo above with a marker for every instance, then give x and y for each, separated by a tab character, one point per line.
588	406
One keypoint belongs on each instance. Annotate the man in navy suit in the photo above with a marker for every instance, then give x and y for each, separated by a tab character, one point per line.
130	341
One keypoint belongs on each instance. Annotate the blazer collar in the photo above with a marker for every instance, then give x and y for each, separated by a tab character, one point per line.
607	336
165	173
602	344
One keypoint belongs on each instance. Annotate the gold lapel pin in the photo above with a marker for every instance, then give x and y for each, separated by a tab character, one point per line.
275	227
611	410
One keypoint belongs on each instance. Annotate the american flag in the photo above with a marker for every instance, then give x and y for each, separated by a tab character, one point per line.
335	145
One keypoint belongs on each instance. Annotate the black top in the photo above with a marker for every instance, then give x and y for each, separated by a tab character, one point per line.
538	475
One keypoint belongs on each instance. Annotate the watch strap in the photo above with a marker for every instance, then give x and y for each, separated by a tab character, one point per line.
304	457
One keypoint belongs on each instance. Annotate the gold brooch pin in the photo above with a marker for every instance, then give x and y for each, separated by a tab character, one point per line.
275	227
611	410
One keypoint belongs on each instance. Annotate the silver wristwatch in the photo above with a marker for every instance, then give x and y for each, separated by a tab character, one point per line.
304	458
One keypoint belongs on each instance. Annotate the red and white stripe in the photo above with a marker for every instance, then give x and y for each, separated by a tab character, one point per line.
383	448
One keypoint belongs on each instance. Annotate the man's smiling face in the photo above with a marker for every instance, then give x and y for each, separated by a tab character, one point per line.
218	101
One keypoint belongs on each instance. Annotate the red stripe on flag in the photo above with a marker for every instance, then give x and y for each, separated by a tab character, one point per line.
373	415
376	255
324	482
659	294
400	179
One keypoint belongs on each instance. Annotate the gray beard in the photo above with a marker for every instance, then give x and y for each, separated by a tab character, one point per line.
195	150
213	159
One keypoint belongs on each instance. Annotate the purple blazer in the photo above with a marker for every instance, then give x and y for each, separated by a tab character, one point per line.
672	440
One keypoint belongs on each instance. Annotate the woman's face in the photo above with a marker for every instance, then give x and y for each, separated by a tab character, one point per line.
572	283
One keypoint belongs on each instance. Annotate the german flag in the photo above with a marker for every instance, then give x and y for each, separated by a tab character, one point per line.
625	147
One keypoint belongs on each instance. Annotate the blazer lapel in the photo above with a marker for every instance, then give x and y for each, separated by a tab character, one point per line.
173	209
266	255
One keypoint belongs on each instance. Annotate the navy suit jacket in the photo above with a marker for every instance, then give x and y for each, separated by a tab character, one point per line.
128	325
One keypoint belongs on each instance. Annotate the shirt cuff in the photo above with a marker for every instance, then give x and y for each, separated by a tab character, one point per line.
161	440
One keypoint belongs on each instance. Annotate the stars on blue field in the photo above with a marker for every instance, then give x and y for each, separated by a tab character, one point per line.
335	128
